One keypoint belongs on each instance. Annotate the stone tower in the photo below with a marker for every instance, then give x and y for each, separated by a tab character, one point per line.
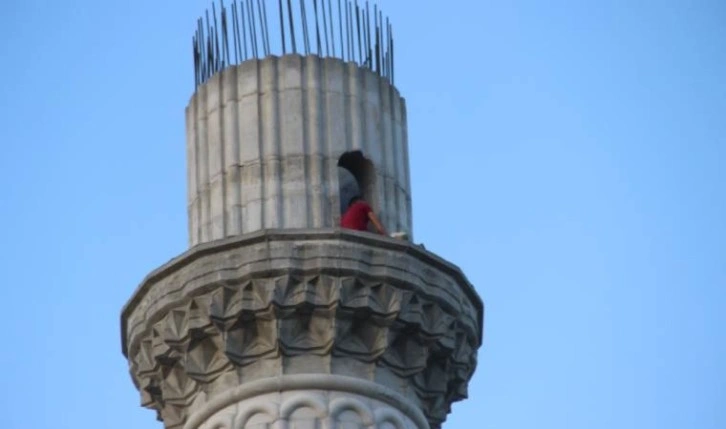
275	318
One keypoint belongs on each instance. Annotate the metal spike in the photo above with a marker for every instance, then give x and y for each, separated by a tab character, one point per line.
304	17
237	40
210	57
390	53
340	28
364	44
389	62
332	30
366	36
267	28
195	42
262	9
256	30
232	9
292	27
262	29
216	39
194	54
282	26
385	50
378	39
349	21
225	33
200	42
317	28
253	28
357	20
220	40
218	60
325	28
210	47
367	56
243	22
393	69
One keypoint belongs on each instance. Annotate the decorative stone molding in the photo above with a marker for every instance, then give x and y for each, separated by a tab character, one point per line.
317	401
250	308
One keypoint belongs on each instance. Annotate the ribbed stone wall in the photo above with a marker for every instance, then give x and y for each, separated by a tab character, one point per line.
326	310
264	139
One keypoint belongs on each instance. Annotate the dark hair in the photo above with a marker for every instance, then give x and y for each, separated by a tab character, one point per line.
354	200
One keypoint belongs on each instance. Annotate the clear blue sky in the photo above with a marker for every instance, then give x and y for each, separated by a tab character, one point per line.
568	155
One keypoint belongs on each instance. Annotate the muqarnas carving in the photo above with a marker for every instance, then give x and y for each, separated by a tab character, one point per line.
235	324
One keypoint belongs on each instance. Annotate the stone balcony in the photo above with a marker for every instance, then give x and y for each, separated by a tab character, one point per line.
297	303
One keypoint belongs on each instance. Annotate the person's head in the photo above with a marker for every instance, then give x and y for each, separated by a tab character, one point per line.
354	200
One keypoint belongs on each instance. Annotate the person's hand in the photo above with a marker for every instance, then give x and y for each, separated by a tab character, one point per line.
379	227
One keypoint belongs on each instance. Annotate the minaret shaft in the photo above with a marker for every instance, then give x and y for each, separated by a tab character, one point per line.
265	141
276	318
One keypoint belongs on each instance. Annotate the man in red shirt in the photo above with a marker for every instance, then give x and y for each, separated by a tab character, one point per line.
358	215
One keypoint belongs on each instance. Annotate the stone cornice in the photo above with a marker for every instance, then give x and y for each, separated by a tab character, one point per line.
294	235
280	303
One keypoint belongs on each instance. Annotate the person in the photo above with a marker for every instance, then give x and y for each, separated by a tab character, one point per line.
358	214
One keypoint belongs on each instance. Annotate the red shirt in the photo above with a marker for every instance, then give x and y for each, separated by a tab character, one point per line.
356	217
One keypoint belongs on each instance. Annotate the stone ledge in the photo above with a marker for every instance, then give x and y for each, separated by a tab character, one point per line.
294	235
288	302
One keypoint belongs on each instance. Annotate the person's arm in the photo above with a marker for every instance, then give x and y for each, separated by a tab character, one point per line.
376	223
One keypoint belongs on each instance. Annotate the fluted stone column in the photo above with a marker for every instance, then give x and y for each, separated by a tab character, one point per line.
274	318
264	139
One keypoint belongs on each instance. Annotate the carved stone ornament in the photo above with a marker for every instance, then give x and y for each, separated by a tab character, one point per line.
287	303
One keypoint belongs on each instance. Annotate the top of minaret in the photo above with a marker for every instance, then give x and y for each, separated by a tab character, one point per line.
228	35
276	317
284	128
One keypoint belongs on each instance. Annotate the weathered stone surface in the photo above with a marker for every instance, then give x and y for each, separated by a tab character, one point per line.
264	139
308	402
287	302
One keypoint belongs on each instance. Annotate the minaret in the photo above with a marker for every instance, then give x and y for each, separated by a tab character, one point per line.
275	318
